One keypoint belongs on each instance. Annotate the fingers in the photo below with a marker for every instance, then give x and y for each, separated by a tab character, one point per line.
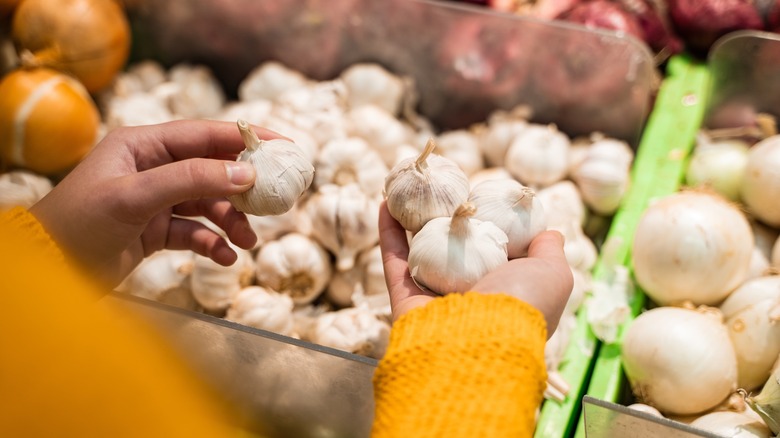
187	234
223	215
548	245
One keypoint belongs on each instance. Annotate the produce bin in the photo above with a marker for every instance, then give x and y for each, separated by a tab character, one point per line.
465	62
736	81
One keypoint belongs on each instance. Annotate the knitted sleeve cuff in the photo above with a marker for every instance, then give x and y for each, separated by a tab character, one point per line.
23	222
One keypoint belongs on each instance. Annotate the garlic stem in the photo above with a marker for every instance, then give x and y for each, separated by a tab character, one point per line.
251	140
526	198
421	163
459	225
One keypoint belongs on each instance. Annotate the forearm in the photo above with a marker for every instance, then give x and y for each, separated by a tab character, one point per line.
463	365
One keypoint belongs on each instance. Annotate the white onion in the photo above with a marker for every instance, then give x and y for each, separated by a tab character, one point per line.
679	361
752	314
732	425
761	183
719	166
691	246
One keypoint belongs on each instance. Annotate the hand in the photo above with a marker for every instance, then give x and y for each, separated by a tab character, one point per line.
543	279
118	205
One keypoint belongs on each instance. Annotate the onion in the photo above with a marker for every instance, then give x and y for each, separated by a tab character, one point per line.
752	314
718	165
679	361
691	246
732	425
701	22
761	183
604	14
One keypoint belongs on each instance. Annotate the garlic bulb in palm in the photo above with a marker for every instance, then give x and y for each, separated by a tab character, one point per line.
344	220
450	254
21	188
420	189
294	265
350	160
283	174
263	309
512	207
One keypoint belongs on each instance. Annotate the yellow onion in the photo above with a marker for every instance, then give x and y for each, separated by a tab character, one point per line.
89	39
48	121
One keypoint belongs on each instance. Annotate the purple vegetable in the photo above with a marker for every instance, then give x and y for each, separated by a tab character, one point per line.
701	22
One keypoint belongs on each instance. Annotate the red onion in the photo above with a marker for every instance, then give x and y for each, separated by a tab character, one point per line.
604	14
701	22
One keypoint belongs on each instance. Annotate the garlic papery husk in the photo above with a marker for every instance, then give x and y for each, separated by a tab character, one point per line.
344	220
718	165
608	306
538	156
294	265
691	246
602	183
761	182
426	187
354	330
269	80
450	254
21	188
369	83
462	147
752	314
680	361
137	109
215	286
268	228
512	207
604	148
255	112
379	128
308	144
489	174
501	129
282	174
199	94
163	277
732	425
767	402
350	160
562	204
263	309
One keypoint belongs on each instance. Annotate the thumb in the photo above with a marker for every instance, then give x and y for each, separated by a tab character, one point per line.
159	188
547	245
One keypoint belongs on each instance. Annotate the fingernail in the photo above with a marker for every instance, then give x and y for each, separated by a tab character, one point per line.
240	173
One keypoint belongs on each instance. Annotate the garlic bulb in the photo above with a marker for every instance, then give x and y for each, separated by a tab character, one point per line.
501	129
752	314
581	253
283	174
373	293
767	402
317	109
268	228
759	264
163	277
488	174
512	207
343	285
308	144
20	188
761	182
369	83
255	112
136	109
353	330
344	220
379	128
732	425
450	254
215	286
294	265
647	409
538	156
679	361
350	160
199	94
262	309
462	147
609	149
420	189
583	282
718	165
269	80
691	246
602	183
563	204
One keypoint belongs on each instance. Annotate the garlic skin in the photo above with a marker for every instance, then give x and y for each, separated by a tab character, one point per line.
512	207
282	174
420	189
308	144
767	403
294	265
563	204
354	330
719	165
379	128
760	187
343	285
602	184
199	94
501	129
350	160
215	286
344	220
450	254
136	109
263	309
20	188
270	80
255	112
487	174
369	83
462	147
538	156
163	277
732	425
269	228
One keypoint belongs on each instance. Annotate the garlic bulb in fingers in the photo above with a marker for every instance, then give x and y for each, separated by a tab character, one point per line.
512	207
422	188
282	174
262	309
294	265
450	254
20	188
344	220
350	160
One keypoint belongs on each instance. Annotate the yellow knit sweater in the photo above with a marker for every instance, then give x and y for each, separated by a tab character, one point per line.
464	365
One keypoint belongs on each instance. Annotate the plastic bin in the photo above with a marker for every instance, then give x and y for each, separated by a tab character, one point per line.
466	62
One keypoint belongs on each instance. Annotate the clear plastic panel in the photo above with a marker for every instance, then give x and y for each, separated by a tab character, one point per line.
466	61
745	68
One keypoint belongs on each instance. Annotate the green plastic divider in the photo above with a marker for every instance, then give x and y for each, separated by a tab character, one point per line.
659	169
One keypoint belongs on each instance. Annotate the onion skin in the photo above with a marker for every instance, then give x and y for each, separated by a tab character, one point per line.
691	246
732	425
761	182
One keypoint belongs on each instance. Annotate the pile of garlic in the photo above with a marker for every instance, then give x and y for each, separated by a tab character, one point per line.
317	268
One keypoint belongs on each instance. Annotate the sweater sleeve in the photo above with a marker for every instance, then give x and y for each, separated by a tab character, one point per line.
75	366
464	365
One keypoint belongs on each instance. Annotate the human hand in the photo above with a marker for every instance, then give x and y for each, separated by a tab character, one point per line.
543	279
118	205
